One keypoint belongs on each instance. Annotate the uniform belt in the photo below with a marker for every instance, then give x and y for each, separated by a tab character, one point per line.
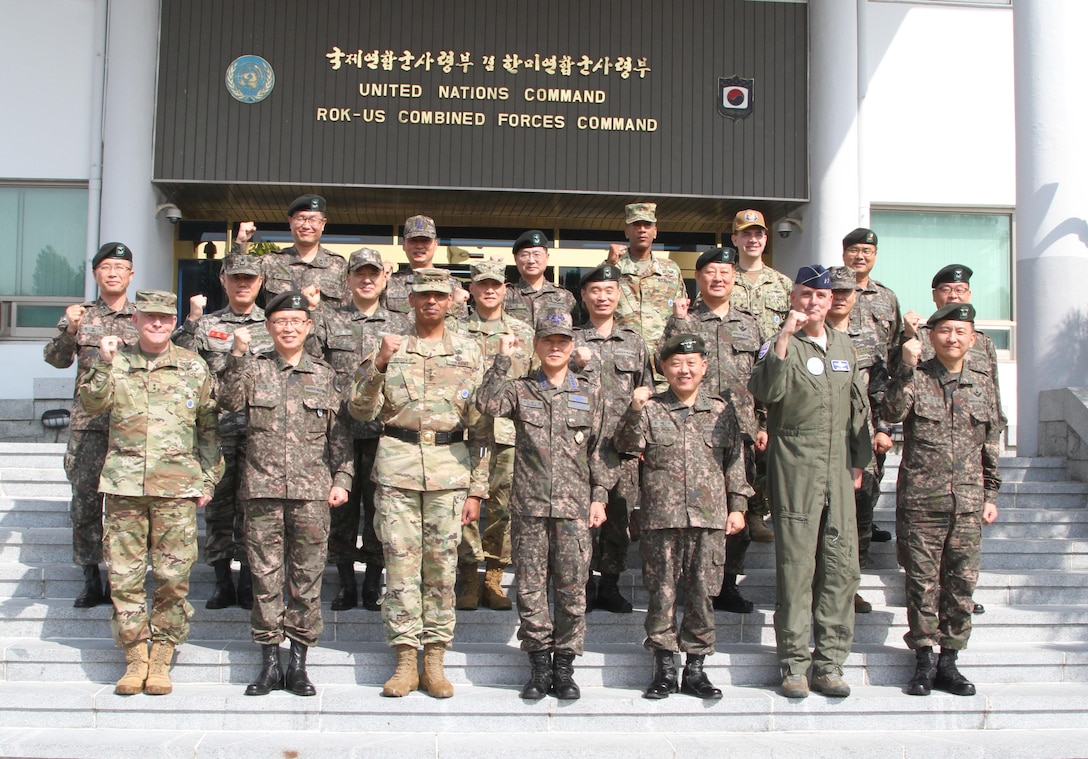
425	436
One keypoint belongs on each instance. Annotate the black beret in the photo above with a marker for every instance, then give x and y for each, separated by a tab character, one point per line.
859	235
603	273
717	256
306	203
112	250
683	343
957	312
292	300
952	273
532	239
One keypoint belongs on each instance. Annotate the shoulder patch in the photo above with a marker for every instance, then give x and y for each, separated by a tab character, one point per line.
763	349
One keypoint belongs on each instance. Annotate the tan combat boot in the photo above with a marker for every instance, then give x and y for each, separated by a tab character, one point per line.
132	682
469	597
434	679
405	678
158	670
494	596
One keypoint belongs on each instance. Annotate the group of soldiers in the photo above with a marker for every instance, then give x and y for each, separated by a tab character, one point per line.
362	402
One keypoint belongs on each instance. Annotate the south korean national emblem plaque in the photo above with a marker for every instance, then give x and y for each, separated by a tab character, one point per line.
735	97
250	78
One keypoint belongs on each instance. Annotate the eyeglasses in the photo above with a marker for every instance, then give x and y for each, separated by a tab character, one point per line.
532	255
111	268
283	323
953	289
862	250
308	221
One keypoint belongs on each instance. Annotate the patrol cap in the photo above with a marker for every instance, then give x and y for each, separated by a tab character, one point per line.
843	278
306	203
112	250
420	226
952	273
292	300
489	270
748	218
603	273
815	276
240	263
859	235
554	322
534	238
957	312
683	343
724	255
365	257
156	302
431	281
640	212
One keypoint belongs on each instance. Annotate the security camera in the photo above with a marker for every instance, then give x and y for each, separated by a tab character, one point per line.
787	227
171	212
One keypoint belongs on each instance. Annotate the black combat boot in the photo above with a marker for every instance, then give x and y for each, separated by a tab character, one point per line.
372	587
730	599
563	676
608	596
540	677
296	680
271	677
925	670
223	595
245	587
696	683
348	597
664	681
92	594
948	676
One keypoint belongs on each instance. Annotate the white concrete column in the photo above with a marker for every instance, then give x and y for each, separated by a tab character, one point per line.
1051	204
128	198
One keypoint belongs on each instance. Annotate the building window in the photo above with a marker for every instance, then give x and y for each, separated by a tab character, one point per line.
914	245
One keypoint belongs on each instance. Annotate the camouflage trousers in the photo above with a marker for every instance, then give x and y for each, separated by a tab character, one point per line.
419	531
83	460
737	544
546	548
691	559
287	542
224	517
496	538
613	538
344	528
165	529
864	503
940	553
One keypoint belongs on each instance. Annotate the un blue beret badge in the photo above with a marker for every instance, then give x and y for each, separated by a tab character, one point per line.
250	79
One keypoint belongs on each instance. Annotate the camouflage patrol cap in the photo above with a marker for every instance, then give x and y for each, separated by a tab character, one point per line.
156	302
240	263
489	270
554	322
420	226
843	278
951	274
683	343
431	281
724	255
306	203
292	300
861	235
748	218
957	312
534	238
640	212
603	273
112	250
365	257
815	276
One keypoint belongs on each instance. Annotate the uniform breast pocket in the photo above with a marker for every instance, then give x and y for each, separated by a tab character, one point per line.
89	336
185	406
279	282
317	413
263	413
400	387
129	396
627	363
331	285
579	424
777	302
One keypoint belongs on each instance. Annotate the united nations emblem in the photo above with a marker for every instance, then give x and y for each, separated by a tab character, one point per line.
250	79
735	97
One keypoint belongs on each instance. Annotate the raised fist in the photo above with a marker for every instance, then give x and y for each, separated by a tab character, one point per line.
242	339
582	356
107	348
390	345
680	307
639	398
74	315
312	293
912	352
245	232
911	320
507	344
615	250
794	322
197	304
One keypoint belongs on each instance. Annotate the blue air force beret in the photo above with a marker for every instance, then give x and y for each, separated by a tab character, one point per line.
815	276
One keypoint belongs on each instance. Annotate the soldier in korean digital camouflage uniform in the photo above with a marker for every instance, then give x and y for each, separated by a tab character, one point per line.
212	335
732	338
948	487
419	240
430	483
162	465
533	293
79	333
616	361
694	493
560	486
487	324
298	464
346	335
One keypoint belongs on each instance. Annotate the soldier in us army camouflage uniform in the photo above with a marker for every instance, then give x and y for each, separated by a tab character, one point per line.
419	240
732	338
162	465
533	293
422	387
298	464
346	335
694	493
486	326
616	361
79	333
560	485
212	335
948	486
